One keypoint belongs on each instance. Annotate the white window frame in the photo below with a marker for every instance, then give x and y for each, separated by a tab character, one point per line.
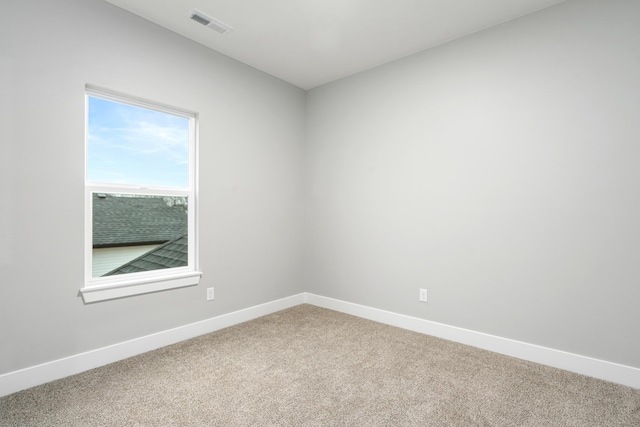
124	285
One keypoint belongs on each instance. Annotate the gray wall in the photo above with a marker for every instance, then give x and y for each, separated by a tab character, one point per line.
501	172
251	159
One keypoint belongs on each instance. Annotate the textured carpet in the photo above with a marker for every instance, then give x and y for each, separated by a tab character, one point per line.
308	366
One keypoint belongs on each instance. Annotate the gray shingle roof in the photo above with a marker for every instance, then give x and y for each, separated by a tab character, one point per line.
129	221
172	254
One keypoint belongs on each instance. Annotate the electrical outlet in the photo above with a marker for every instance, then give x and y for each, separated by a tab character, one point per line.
210	294
423	295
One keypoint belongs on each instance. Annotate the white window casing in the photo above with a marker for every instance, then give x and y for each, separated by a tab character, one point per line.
124	285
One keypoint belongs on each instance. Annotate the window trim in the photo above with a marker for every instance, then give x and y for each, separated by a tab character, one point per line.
104	288
130	287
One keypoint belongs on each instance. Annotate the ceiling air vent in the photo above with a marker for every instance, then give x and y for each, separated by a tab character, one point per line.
209	22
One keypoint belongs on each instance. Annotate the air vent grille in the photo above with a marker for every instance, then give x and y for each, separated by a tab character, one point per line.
199	19
209	22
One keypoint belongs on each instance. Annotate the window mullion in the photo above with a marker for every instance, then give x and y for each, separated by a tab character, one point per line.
136	189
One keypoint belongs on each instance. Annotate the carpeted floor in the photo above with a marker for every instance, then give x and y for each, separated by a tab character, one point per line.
308	366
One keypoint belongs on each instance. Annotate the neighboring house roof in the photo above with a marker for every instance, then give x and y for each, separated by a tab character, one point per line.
129	221
171	254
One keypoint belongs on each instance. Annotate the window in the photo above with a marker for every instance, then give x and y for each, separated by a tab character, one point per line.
140	198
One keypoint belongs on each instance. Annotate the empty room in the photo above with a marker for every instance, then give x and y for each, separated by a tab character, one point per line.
304	212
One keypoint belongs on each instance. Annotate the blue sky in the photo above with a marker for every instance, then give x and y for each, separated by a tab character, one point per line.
133	145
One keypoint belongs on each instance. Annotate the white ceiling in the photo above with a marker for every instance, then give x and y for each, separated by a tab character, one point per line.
312	42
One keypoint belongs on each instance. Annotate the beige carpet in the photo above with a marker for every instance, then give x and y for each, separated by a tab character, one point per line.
308	366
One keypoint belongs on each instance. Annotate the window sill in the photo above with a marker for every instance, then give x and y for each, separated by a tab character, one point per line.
130	287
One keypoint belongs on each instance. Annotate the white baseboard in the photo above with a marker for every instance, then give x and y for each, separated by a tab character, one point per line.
620	374
29	377
50	371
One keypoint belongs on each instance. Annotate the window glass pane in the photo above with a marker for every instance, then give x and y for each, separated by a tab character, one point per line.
136	233
137	146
